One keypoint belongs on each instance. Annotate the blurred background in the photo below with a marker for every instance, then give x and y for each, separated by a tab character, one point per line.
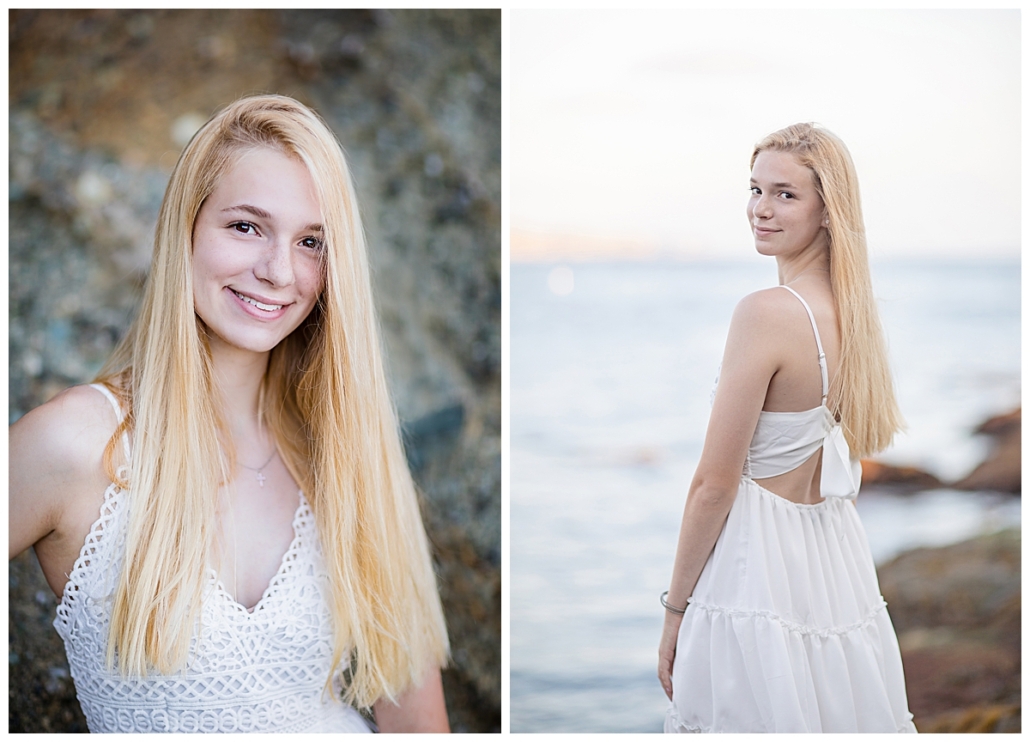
101	104
631	134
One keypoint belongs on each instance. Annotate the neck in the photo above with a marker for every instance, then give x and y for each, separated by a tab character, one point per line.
790	268
237	376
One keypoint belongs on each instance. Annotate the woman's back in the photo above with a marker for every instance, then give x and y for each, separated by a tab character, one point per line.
797	385
791	352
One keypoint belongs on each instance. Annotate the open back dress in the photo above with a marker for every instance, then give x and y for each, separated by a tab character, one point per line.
786	630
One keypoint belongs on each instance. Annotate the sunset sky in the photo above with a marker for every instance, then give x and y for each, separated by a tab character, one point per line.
638	126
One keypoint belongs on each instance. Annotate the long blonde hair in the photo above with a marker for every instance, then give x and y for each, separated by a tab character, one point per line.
862	393
324	398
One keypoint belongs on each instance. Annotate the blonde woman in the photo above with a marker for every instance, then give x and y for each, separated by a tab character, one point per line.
774	620
226	514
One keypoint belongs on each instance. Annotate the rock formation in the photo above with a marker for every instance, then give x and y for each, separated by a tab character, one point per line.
898	478
1002	470
958	616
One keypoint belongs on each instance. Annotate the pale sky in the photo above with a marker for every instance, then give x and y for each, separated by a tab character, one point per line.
639	124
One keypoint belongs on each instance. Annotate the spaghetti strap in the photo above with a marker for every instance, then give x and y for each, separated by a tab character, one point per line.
102	388
818	342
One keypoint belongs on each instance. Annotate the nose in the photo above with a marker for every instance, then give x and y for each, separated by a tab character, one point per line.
275	266
761	206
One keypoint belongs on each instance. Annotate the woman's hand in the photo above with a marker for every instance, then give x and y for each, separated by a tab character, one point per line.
667	650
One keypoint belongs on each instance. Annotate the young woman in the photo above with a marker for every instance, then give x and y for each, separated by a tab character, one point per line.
774	620
226	514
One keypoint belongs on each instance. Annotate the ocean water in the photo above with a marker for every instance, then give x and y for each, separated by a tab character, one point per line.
612	366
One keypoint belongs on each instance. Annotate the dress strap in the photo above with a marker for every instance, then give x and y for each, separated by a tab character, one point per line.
102	388
818	342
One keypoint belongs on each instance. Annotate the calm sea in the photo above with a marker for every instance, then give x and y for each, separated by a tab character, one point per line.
612	367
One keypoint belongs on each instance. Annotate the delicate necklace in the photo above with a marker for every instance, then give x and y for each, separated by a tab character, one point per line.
261	477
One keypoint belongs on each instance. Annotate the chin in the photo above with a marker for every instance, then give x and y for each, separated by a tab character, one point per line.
245	341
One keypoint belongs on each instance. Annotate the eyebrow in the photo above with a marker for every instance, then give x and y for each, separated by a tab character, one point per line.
262	214
778	185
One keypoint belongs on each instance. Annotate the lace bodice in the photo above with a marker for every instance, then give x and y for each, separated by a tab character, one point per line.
249	671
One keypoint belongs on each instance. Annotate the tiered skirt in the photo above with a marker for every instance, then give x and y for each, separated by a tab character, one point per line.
786	630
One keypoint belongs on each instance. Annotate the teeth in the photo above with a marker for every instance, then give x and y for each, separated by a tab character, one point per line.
259	305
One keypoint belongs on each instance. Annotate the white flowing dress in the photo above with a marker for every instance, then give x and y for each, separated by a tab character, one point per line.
262	670
786	630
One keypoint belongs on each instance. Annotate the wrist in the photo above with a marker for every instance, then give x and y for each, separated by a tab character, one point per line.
672	608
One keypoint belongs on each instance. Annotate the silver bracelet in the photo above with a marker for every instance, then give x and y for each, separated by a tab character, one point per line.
671	609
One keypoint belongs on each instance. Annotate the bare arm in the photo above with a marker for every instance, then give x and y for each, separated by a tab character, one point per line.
420	709
56	479
751	359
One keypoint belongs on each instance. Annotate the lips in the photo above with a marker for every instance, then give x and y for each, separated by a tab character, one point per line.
262	304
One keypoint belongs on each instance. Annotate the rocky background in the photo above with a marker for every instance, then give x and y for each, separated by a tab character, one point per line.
957	609
101	103
957	613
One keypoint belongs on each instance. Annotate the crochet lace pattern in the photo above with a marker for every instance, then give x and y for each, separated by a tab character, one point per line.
248	671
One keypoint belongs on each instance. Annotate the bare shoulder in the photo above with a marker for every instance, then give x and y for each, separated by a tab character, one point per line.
56	474
70	430
770	305
766	313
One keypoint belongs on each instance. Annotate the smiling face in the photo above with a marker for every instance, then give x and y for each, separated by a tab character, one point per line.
785	210
257	244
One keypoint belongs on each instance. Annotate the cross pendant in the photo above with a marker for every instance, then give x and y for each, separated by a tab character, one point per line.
261	479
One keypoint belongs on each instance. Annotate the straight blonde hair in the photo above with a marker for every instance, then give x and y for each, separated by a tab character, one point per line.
324	398
862	393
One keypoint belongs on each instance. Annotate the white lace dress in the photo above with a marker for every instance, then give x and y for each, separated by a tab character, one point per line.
250	671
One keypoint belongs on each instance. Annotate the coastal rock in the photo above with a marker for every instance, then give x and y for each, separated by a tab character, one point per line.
964	586
906	478
957	612
101	102
1002	470
978	719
